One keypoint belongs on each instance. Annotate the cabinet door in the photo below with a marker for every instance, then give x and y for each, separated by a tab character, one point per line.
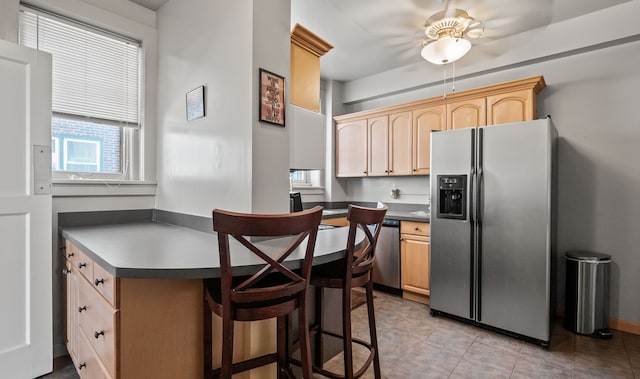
424	121
400	143
415	263
351	148
510	107
336	221
378	129
71	309
466	114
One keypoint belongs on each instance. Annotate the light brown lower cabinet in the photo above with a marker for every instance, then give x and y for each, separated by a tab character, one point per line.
414	258
336	221
131	328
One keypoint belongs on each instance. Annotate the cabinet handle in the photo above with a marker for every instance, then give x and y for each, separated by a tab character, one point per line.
417	229
82	308
364	172
98	282
81	265
98	334
414	170
69	255
65	271
82	365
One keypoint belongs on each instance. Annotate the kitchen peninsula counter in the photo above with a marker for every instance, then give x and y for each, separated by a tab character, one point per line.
418	216
134	298
163	251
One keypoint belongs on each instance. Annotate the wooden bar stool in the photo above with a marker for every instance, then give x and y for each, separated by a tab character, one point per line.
351	272
273	291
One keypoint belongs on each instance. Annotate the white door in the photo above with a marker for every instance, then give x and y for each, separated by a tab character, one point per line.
25	212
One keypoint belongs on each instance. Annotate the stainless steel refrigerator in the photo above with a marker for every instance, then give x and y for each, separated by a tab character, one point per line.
492	226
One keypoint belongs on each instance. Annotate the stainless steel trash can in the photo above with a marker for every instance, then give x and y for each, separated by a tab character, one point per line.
587	293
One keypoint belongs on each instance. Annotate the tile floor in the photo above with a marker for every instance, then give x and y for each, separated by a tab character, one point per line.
413	344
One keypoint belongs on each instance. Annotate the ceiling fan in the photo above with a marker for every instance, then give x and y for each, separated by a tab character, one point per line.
445	33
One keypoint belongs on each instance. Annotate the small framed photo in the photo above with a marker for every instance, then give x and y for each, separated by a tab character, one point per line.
195	104
271	98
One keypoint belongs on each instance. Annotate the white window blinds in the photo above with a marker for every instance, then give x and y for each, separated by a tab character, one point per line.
95	73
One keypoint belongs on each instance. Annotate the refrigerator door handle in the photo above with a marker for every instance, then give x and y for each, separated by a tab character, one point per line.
478	223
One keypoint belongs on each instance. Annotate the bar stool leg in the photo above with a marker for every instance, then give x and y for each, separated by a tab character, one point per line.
227	345
372	330
346	332
303	333
318	354
283	345
207	343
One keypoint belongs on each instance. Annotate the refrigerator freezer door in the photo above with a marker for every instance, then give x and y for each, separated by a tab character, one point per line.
514	254
452	154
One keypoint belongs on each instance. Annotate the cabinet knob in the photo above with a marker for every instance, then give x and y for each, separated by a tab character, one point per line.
364	172
82	308
414	170
417	229
69	255
81	265
66	271
98	282
98	334
82	365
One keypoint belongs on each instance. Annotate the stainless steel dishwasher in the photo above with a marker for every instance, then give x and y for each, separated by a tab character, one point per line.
386	269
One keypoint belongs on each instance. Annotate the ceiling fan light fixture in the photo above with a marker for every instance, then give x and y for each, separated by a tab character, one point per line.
446	49
445	32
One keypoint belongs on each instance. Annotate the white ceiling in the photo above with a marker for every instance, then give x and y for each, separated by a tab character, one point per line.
372	36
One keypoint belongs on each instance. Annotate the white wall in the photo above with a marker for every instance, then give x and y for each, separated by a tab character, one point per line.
226	159
270	152
592	97
9	20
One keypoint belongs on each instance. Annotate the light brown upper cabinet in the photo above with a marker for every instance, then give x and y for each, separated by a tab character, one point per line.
400	143
351	148
378	154
466	114
396	140
426	120
306	50
511	107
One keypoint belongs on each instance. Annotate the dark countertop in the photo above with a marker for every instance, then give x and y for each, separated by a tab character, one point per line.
155	250
420	216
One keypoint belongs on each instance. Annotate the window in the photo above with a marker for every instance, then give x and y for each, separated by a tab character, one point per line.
305	178
55	158
81	155
299	178
95	94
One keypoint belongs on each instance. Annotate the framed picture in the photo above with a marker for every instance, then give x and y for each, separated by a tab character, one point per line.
271	98
195	104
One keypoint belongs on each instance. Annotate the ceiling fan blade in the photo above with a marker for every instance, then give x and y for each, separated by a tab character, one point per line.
449	8
475	29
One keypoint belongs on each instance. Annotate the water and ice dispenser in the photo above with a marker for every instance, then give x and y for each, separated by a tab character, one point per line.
452	196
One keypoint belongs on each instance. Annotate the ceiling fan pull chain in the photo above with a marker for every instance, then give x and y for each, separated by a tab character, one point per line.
453	77
444	82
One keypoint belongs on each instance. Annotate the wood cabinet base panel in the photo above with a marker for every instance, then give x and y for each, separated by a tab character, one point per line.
417	297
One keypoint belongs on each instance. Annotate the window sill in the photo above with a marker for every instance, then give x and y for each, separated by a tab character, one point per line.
99	187
309	190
